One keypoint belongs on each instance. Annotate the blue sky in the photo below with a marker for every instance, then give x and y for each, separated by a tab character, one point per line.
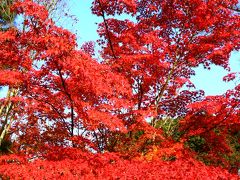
209	81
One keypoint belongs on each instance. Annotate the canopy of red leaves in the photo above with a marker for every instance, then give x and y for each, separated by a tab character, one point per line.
135	114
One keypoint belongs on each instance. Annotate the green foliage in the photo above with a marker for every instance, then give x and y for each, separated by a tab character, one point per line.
5	11
169	158
206	152
170	127
234	157
5	146
137	134
196	143
234	141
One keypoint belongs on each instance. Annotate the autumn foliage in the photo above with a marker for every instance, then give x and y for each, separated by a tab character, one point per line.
134	113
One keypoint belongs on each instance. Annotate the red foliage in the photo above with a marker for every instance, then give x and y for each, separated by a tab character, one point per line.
80	165
70	107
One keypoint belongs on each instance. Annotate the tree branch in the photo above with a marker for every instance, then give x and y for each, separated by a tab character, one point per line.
107	28
70	99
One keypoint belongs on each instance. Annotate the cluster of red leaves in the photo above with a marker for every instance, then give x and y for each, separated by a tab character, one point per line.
215	119
157	48
58	84
79	165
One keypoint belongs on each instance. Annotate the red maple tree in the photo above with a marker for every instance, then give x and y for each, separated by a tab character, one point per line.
135	114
